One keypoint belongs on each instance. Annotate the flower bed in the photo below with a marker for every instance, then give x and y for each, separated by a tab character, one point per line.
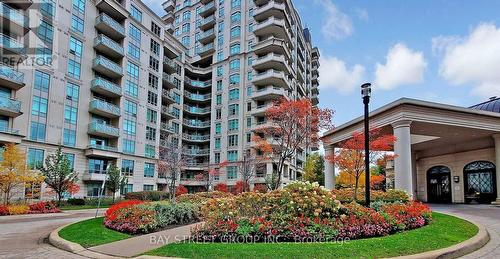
202	197
302	212
137	217
36	208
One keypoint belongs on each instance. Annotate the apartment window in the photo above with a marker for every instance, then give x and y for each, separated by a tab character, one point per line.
220	40
127	188
249	122
232	125
236	17
217	144
249	91
147	187
149	151
186	28
45	32
131	88
129	127
42	81
235	3
250	29
219	85
131	108
135	33
185	40
128	146
186	15
232	156
37	131
234	64
218	99
220	56
70	114
155	47
135	13
234	94
218	114
133	70
152	116
234	49
232	172
220	71
71	159
35	158
249	75
221	26
250	61
75	47
72	92
39	106
153	81
155	29
128	167
235	32
232	140
233	109
221	11
149	170
79	6
134	51
218	128
74	68
217	158
154	63
234	79
249	137
150	133
152	98
77	23
69	137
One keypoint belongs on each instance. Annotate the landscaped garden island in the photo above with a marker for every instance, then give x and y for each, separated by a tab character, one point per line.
302	219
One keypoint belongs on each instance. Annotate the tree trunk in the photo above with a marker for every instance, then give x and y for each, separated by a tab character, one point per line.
59	197
356	188
114	193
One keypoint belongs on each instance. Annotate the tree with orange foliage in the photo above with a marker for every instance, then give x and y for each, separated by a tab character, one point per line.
294	126
14	174
350	156
346	180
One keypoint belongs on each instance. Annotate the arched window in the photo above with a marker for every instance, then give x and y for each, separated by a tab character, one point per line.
439	184
480	182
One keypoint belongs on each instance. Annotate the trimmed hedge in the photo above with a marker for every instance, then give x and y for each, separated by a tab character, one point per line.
147	196
346	195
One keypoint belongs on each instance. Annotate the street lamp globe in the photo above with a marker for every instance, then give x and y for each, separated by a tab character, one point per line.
366	90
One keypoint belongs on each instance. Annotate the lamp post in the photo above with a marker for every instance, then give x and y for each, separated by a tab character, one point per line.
366	91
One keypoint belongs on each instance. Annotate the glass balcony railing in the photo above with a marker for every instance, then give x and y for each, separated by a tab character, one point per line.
11	74
108	64
196	151
207	33
209	19
205	48
12	44
197	109
197	97
13	15
208	7
8	130
196	137
101	39
104	18
196	123
103	129
197	83
9	104
169	62
103	147
101	83
104	106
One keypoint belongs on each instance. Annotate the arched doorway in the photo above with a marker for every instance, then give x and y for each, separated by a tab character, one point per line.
480	182
439	184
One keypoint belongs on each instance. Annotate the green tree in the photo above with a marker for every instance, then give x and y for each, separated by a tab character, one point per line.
115	181
313	169
59	174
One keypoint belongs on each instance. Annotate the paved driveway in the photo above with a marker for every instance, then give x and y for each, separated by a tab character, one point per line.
488	216
25	236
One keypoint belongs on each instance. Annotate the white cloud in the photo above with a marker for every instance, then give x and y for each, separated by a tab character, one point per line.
403	66
335	74
337	25
362	14
474	59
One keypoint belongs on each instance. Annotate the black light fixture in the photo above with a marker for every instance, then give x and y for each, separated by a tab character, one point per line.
366	91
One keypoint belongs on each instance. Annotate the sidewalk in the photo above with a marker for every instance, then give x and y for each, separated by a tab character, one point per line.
141	244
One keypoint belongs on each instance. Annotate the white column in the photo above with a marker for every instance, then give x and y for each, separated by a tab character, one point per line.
329	169
497	166
403	176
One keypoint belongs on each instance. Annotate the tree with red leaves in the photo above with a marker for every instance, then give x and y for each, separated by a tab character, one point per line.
350	156
180	190
294	126
210	175
221	187
240	187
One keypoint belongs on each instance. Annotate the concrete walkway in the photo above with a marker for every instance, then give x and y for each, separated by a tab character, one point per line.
141	244
488	216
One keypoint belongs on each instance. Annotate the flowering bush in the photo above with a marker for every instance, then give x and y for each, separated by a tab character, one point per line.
345	195
302	212
147	195
18	209
221	187
4	210
44	207
138	217
202	197
180	190
260	187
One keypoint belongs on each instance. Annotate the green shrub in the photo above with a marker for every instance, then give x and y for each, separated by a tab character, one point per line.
105	201
75	201
346	195
147	196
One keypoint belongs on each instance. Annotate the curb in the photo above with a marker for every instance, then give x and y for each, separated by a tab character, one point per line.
466	247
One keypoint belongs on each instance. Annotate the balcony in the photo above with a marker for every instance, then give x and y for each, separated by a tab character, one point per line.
196	138
107	67
8	135
271	9
207	9
272	61
196	110
170	81
197	97
315	99
272	45
315	53
275	27
108	46
10	107
22	4
195	165
104	108
94	150
315	80
268	93
271	77
206	50
315	89
11	46
167	96
102	86
169	5
196	152
197	83
196	123
11	78
260	110
207	36
207	23
94	175
103	130
113	8
315	62
169	65
107	25
168	112
13	20
167	128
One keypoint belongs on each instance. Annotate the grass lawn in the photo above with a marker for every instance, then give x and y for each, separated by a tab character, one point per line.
91	232
443	232
82	207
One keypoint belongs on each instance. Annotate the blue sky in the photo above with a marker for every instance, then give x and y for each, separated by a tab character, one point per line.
438	50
